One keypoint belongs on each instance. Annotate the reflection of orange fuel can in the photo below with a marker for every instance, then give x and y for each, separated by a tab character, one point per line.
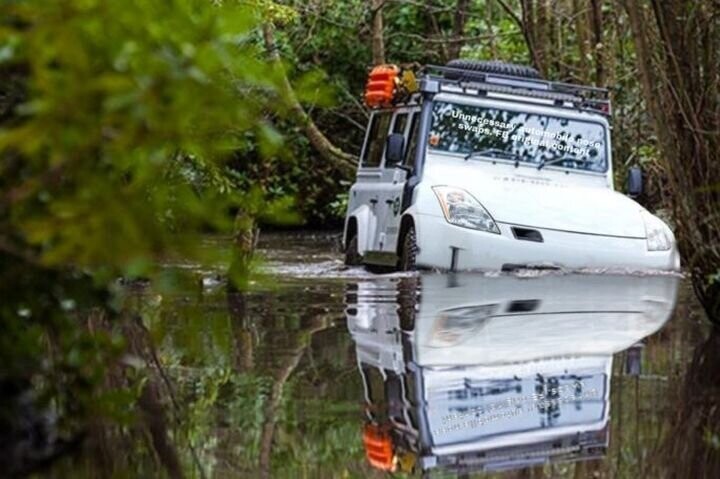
378	447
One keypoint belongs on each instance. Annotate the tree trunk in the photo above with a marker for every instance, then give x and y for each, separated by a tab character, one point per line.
529	25
597	28
680	84
694	418
610	46
525	22
432	29
280	378
583	39
378	41
153	414
238	307
457	42
246	233
541	32
489	24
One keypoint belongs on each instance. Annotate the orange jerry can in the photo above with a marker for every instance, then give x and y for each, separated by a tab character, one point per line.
380	88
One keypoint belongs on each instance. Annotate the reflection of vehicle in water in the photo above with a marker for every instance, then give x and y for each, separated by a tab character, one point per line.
482	373
487	166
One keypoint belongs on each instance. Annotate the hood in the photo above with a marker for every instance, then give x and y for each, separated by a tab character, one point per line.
526	319
542	199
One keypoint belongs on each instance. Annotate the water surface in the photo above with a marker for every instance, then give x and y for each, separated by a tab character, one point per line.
324	371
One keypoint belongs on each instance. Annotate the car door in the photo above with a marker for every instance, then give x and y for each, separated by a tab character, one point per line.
405	122
364	197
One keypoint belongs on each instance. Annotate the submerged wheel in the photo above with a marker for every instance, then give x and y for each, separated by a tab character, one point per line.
408	250
493	66
352	257
407	299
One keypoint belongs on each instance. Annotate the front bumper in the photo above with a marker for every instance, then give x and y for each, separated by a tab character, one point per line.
488	251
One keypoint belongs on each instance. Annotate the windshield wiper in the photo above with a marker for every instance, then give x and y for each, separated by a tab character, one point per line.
560	160
493	153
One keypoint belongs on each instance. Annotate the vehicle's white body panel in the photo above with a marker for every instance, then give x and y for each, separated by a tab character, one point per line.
587	315
552	326
508	431
542	199
480	250
572	315
584	223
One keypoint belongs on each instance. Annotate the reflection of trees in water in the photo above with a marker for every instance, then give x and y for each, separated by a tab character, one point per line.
273	347
690	447
217	376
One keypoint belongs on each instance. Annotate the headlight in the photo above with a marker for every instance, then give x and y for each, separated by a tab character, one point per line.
456	324
656	233
461	209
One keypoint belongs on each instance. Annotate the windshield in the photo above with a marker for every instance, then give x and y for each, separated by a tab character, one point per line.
485	132
475	408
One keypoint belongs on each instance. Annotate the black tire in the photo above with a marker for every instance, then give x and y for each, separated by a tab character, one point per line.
494	66
408	250
352	257
408	299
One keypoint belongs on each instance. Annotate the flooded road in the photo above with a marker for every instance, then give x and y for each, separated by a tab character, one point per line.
322	371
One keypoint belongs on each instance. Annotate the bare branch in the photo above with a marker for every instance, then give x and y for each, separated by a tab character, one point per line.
453	40
516	18
317	139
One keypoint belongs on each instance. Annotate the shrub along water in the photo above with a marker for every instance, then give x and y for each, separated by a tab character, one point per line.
678	55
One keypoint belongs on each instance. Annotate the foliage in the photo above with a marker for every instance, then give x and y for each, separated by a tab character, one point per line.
115	105
336	36
117	130
680	84
130	129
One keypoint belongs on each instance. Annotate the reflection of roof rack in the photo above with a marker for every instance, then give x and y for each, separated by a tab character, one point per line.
565	95
582	446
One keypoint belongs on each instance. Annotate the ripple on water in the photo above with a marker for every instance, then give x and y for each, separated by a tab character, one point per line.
287	363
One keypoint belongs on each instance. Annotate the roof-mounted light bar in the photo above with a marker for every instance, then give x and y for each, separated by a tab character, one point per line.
581	97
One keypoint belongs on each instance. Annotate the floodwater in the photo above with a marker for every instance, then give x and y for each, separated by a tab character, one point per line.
322	371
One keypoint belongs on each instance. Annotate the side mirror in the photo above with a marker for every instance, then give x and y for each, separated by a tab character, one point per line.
634	182
394	149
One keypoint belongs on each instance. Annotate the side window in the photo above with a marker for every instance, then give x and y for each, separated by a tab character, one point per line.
412	140
377	135
401	120
410	385
400	123
376	389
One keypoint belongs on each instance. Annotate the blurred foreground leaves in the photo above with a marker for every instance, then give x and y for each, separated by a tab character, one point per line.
119	122
131	106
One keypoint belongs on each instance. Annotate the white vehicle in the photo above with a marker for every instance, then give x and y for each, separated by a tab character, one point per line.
481	170
479	373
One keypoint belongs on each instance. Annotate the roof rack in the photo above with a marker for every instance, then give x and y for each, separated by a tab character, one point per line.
564	95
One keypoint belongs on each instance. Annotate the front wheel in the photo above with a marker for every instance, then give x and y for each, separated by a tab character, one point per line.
408	250
352	256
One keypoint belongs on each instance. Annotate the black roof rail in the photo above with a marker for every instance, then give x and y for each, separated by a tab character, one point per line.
580	96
